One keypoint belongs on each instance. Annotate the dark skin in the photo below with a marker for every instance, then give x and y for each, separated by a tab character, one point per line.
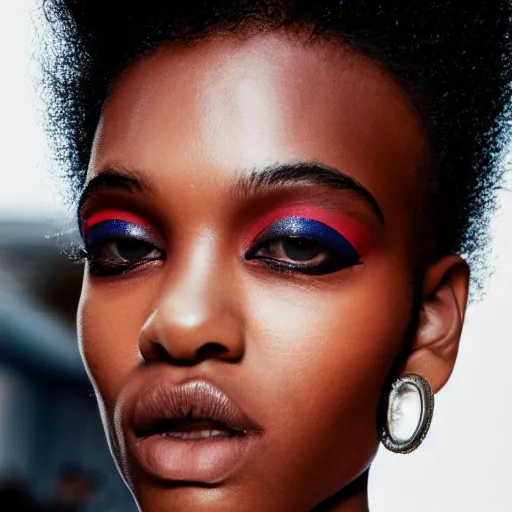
306	355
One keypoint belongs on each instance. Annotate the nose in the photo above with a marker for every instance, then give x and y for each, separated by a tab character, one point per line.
195	318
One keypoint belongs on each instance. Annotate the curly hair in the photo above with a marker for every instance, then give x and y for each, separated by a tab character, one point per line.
454	60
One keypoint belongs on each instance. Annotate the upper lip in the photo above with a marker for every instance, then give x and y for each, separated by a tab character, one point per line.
193	400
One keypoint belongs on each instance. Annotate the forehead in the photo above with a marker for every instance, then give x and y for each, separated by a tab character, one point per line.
232	103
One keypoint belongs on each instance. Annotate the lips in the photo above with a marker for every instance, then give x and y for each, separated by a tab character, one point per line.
189	432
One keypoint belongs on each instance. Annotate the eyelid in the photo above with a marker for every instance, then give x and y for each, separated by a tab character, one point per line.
114	214
347	227
310	229
116	230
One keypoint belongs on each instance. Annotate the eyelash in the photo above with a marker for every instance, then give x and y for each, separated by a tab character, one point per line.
114	232
289	230
340	252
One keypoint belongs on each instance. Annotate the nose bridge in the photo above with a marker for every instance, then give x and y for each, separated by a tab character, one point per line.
195	308
191	294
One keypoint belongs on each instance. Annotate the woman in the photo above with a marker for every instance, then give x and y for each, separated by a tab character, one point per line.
273	198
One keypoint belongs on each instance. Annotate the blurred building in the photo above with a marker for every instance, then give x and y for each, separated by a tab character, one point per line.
48	414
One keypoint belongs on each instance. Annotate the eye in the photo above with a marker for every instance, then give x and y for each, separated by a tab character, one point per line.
127	250
296	244
294	249
116	247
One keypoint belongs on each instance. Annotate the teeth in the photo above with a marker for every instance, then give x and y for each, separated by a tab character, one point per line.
198	434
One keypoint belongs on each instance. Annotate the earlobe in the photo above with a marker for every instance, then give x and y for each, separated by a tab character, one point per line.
436	342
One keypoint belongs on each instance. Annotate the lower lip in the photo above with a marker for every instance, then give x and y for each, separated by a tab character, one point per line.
207	461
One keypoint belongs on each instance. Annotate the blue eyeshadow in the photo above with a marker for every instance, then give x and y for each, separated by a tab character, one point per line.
117	229
309	229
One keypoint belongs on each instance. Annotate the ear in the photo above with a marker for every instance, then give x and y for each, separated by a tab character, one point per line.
444	300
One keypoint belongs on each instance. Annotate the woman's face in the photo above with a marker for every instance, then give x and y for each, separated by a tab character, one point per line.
250	217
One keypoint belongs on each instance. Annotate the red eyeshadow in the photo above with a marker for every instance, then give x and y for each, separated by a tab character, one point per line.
114	214
352	230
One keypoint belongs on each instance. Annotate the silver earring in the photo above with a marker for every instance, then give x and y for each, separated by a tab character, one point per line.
408	409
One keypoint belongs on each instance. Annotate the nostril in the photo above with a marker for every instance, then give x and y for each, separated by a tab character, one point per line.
154	352
161	353
209	350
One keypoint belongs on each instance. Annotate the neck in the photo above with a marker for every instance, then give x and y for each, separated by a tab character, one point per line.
352	498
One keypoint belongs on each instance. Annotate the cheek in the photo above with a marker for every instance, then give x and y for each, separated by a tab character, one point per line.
110	318
342	332
325	355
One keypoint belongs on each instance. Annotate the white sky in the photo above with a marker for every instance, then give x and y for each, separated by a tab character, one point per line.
464	462
26	187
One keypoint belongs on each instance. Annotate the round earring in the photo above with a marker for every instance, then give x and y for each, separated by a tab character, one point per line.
408	413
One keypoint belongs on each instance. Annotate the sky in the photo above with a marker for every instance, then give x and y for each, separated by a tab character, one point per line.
27	189
464	461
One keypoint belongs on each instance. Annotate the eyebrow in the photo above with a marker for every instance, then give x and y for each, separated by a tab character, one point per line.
257	180
113	177
303	173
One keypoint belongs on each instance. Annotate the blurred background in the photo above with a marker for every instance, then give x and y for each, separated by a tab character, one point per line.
52	444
